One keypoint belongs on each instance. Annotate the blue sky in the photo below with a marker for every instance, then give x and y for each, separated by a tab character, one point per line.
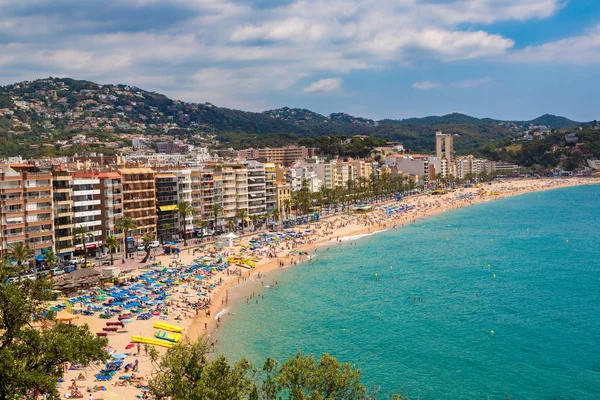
510	59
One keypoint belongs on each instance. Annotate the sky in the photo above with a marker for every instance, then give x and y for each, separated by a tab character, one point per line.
506	59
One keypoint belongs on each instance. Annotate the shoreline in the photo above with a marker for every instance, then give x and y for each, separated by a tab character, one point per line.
235	291
220	291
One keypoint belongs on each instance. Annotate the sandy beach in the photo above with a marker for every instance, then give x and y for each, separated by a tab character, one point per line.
200	305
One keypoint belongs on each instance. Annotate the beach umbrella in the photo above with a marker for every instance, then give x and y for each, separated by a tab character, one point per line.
126	321
130	346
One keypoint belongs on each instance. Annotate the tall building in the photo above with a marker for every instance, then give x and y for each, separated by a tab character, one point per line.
257	192
62	188
26	209
166	203
444	147
283	155
203	187
87	212
111	204
184	194
270	188
139	199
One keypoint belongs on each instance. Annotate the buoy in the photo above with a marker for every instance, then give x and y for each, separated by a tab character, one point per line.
567	240
494	276
492	332
488	265
446	238
390	267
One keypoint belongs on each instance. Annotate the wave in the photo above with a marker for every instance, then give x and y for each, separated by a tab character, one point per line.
347	238
222	312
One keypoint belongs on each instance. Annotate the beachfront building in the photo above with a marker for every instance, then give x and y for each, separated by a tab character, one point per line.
241	187
111	204
344	173
87	212
166	203
26	209
270	188
139	199
184	194
284	192
62	198
257	193
413	164
203	187
279	155
300	174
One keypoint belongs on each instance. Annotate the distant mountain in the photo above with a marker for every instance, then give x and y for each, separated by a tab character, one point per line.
45	114
555	122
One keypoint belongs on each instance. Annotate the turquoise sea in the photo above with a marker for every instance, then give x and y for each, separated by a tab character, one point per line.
526	268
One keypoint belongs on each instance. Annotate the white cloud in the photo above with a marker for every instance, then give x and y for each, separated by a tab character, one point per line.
324	85
584	49
223	50
470	83
425	85
465	84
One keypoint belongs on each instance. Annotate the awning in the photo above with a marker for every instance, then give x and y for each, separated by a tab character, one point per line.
129	239
39	258
67	253
91	246
169	208
190	231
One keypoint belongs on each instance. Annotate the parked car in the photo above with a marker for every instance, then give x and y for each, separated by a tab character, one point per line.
89	265
154	244
57	271
102	256
106	262
141	248
77	260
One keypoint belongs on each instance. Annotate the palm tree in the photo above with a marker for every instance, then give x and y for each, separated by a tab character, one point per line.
287	204
80	233
276	214
125	225
146	240
20	252
216	209
112	243
254	219
50	258
184	209
242	215
168	230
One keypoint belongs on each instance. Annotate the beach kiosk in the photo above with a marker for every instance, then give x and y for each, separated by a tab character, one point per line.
229	240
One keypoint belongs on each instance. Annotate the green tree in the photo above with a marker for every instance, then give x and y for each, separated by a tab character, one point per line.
125	224
50	258
187	372
79	234
32	359
184	210
216	210
112	243
146	240
20	252
241	215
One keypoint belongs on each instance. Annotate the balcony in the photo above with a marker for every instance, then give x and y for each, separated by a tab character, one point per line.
89	213
87	223
85	203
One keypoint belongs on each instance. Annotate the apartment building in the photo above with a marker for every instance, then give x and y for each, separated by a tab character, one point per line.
184	193
87	212
202	196
26	209
241	187
282	155
139	199
62	188
270	187
111	204
284	192
166	202
344	173
257	192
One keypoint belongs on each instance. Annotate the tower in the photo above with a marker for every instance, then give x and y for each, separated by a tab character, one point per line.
443	146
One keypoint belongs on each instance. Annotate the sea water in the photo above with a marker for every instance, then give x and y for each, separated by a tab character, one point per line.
499	298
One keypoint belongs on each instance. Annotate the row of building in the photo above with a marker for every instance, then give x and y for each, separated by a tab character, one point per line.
44	208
